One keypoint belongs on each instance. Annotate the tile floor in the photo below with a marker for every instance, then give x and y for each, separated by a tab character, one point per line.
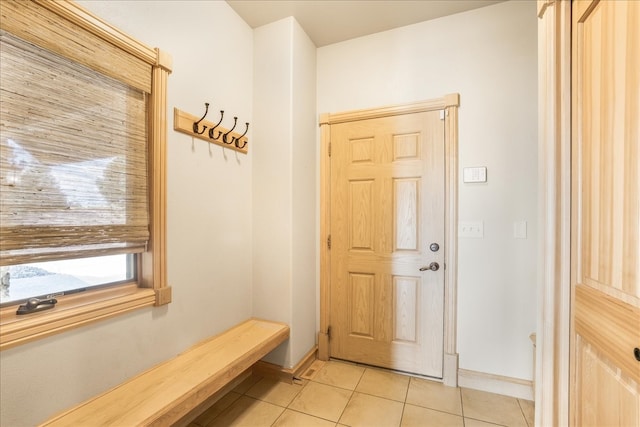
344	394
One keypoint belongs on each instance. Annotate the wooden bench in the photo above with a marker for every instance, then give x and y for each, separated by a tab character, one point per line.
167	393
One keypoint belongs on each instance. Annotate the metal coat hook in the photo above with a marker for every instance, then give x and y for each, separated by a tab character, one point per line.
224	137
237	140
195	124
218	124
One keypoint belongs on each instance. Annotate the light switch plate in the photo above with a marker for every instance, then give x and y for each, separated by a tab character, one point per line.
473	229
474	174
520	229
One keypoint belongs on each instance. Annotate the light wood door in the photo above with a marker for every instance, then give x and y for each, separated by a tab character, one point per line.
605	374
387	208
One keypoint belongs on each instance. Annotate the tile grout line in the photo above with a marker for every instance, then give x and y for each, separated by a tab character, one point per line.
404	403
360	379
526	421
287	407
304	385
345	408
491	423
384	398
350	397
464	423
309	415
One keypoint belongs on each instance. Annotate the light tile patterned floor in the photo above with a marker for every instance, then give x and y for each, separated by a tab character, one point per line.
343	394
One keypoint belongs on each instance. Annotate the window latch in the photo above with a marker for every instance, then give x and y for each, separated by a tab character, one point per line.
34	304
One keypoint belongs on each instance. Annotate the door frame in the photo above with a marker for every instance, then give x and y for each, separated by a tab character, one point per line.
553	339
449	103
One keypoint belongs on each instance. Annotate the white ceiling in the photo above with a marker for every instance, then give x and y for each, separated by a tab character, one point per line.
332	21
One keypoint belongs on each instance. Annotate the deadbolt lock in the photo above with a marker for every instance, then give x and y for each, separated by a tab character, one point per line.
434	247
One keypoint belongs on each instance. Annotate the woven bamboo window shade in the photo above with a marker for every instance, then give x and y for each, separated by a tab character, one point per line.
73	158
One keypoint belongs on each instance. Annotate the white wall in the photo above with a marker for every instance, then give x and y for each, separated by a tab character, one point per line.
231	217
487	55
272	178
209	222
284	208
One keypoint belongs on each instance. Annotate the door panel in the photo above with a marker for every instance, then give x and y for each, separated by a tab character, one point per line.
605	213
607	395
387	206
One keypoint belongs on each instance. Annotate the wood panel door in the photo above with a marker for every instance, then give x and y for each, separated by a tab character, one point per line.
387	209
605	247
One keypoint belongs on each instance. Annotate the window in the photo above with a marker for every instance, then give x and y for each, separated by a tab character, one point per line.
81	169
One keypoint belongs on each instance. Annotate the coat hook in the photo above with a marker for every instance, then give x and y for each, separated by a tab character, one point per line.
195	124
224	137
218	124
237	140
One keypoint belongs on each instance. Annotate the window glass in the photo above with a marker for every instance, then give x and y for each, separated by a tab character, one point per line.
48	279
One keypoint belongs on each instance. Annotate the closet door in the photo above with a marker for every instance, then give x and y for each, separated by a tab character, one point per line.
605	214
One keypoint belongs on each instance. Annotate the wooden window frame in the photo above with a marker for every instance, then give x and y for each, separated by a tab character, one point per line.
151	288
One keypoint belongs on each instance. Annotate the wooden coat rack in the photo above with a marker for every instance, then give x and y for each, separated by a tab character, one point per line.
211	132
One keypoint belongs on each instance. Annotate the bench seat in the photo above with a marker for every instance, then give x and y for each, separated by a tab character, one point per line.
169	391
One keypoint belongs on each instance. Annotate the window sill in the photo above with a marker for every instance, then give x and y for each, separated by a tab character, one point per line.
71	312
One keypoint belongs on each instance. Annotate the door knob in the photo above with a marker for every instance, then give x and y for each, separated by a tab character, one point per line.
434	266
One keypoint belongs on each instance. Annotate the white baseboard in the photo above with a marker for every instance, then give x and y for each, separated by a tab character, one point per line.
499	384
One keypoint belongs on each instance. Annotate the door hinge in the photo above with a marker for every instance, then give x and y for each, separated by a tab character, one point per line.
329	149
329	242
329	332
